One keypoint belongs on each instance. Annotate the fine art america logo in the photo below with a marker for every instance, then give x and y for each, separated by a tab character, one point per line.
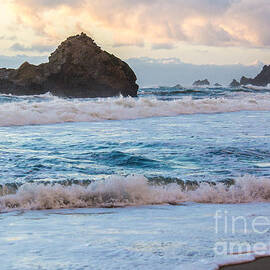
232	227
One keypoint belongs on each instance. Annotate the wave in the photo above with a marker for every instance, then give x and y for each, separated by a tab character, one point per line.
46	95
118	191
57	110
118	158
170	92
254	87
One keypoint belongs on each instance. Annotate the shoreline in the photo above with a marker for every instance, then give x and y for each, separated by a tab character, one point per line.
258	264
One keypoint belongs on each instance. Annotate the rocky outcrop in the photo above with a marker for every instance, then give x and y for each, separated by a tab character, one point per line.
235	83
178	86
262	79
217	84
78	68
201	83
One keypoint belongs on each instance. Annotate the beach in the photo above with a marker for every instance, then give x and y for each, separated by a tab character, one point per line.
259	264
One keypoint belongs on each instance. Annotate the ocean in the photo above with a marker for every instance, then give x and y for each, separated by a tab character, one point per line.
173	179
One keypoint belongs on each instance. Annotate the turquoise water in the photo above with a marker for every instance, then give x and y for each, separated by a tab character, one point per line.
195	146
130	152
190	147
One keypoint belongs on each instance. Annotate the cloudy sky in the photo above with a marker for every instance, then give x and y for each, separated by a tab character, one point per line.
198	32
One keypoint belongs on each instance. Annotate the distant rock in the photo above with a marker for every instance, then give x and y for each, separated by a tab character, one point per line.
246	81
78	68
217	84
262	79
201	83
235	83
178	86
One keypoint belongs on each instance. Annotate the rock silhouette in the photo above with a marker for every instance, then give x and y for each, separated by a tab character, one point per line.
262	79
78	68
235	83
201	83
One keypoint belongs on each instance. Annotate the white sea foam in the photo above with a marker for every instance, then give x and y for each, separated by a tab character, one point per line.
254	87
120	191
58	110
245	190
46	95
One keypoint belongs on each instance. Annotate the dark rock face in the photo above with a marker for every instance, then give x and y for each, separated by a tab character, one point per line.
217	84
235	83
201	83
263	79
78	68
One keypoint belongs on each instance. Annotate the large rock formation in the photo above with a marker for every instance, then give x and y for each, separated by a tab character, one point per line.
201	83
263	79
78	68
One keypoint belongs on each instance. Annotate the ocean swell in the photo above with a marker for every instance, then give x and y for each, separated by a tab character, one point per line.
57	110
118	191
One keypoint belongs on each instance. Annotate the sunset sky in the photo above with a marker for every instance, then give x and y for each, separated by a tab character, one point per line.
199	32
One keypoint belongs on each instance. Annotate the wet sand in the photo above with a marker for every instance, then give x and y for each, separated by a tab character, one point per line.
260	264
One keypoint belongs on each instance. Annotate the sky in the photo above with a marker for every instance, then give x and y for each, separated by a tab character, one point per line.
225	35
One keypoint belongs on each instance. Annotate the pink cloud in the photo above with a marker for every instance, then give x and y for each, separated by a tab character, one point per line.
135	22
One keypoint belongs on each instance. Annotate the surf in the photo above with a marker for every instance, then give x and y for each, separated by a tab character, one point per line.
55	110
120	191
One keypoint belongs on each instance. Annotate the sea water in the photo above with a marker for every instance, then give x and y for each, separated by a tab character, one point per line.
152	182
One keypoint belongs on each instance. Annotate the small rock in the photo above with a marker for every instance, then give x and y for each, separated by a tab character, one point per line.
235	83
201	83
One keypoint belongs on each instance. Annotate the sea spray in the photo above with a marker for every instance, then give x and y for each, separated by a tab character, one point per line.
118	191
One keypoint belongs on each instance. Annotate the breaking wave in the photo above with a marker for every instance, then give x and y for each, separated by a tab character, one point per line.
120	191
254	87
56	110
